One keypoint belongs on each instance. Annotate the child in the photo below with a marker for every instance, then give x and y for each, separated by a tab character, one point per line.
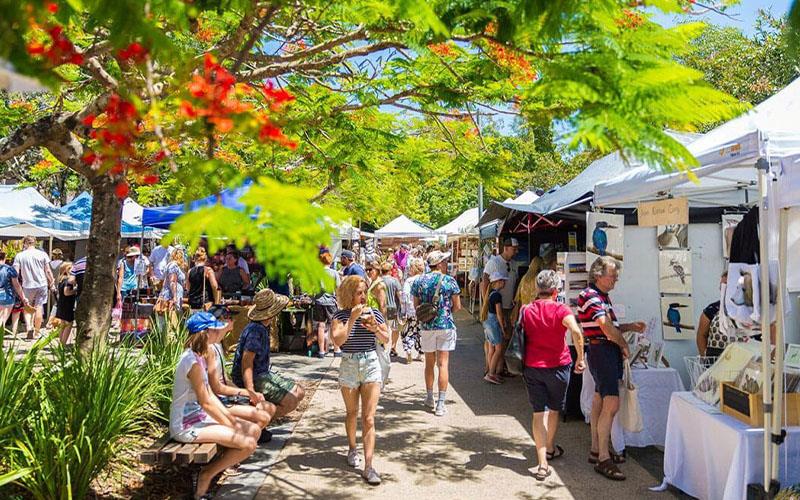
494	326
65	303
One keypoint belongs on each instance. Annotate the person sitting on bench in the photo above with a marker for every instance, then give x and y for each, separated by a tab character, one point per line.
197	416
237	400
251	367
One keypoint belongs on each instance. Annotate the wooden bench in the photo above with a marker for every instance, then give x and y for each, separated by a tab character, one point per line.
166	451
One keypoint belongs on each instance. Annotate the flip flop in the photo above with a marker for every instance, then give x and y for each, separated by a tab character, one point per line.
552	455
542	472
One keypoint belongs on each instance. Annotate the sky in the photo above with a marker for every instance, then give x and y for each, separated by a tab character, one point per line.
744	14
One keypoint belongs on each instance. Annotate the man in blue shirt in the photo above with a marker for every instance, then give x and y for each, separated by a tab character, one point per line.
350	266
251	367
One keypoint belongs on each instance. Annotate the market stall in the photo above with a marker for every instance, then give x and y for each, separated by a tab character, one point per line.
25	212
463	241
402	229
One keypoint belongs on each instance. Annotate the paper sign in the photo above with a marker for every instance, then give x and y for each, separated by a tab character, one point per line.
661	213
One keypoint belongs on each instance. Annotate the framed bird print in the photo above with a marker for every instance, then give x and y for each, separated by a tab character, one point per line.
675	271
677	317
604	236
673	236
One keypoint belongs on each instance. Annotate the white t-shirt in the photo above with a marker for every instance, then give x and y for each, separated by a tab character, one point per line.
497	264
159	258
185	412
31	265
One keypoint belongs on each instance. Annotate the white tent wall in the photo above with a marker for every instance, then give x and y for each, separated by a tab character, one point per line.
638	288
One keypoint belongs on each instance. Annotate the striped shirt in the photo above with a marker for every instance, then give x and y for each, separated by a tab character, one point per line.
360	339
593	304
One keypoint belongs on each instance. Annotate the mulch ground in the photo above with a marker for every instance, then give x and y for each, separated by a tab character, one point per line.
144	482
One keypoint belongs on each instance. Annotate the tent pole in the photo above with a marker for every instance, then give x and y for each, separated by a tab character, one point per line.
762	167
777	415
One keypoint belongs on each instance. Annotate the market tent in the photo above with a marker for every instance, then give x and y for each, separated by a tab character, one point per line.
25	212
403	227
770	130
164	217
498	210
80	209
464	224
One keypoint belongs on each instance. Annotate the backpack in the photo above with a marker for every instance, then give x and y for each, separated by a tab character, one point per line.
427	311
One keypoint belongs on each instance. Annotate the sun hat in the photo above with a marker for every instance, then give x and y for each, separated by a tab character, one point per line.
133	252
497	276
202	320
267	304
437	257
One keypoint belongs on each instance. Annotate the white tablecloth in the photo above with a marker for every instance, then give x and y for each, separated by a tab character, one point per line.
713	456
655	387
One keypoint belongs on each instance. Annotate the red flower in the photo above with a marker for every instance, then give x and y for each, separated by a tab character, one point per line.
188	110
121	190
52	7
89	158
150	179
35	49
135	52
160	156
279	96
88	120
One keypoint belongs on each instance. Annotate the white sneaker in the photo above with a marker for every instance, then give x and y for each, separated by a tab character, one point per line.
440	411
353	460
371	477
429	402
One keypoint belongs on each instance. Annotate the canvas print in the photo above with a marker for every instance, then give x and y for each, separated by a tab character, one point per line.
729	223
604	236
677	318
655	354
675	271
673	236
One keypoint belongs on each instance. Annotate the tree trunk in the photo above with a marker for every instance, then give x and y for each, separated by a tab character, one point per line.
97	297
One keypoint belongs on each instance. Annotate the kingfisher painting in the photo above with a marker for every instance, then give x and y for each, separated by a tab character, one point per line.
600	238
674	316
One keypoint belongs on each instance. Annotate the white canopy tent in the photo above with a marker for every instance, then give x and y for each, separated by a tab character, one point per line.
25	212
466	224
757	148
403	227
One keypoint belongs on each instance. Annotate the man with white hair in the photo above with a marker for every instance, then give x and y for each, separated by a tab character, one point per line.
33	267
607	348
438	335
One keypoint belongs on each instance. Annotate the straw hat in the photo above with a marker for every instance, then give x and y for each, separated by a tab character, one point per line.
267	304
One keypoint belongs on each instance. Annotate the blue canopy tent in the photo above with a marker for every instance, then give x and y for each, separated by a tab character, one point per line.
25	212
164	217
80	209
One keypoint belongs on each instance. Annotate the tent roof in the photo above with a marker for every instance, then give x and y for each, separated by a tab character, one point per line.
466	223
80	208
768	130
403	227
26	212
163	217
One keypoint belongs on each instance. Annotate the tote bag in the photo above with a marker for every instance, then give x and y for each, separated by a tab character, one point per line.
516	348
630	415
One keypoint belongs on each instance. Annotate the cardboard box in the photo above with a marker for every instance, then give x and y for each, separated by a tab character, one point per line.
749	408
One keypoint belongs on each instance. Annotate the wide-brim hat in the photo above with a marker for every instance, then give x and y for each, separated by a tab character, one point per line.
266	305
437	257
133	252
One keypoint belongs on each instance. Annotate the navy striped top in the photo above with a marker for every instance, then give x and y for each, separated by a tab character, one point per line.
360	339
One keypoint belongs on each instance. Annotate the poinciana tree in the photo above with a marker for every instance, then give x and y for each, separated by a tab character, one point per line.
295	94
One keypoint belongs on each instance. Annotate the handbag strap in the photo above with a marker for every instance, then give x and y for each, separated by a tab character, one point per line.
436	297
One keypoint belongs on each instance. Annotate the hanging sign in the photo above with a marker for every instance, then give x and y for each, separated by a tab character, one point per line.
663	212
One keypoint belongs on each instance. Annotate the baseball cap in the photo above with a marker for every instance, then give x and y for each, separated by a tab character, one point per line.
200	321
348	254
510	242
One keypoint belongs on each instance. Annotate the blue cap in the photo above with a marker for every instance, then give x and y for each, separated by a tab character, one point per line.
348	254
200	321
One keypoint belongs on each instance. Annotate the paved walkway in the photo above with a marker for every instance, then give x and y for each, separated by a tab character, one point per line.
481	448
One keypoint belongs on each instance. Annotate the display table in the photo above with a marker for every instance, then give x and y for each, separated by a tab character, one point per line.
713	456
655	387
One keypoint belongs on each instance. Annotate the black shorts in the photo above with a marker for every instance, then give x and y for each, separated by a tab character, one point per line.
605	365
547	387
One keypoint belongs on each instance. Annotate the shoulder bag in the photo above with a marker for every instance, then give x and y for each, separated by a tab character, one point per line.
515	353
427	311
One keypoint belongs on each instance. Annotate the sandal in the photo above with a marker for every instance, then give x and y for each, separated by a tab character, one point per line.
608	469
542	472
552	455
594	458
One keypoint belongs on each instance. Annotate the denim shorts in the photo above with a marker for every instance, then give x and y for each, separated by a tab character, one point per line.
359	368
492	329
605	365
547	387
